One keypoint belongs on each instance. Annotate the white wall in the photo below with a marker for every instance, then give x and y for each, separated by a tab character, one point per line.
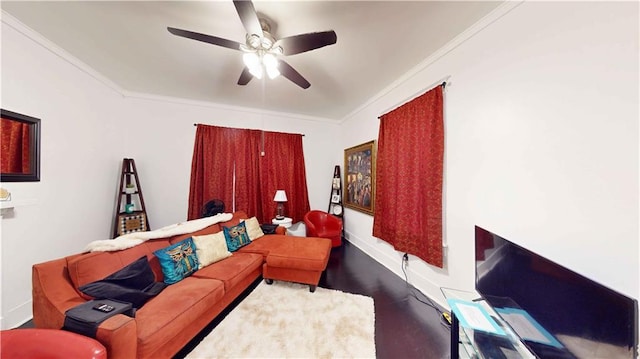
80	150
161	141
541	132
88	126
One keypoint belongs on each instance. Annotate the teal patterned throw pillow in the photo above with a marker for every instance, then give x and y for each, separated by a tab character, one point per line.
236	236
178	261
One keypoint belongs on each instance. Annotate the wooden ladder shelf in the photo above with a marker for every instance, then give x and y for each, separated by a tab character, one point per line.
131	213
335	198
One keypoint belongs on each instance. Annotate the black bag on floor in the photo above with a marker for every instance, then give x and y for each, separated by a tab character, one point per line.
268	228
86	318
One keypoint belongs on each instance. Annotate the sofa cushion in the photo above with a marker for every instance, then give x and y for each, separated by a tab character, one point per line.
134	284
237	217
214	228
211	248
236	236
232	270
311	253
253	228
265	244
90	267
166	315
178	260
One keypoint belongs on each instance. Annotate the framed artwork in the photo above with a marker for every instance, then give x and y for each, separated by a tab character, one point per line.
335	198
20	138
360	177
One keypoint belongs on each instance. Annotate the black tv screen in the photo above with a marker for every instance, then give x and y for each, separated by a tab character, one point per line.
571	315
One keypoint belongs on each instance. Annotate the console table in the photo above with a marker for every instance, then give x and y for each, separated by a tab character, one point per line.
469	343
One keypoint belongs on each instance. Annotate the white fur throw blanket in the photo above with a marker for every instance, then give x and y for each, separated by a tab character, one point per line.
133	239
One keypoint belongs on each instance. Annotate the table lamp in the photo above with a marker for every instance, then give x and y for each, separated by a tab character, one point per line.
280	198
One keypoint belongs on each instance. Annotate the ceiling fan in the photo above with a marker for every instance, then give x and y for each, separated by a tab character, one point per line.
262	52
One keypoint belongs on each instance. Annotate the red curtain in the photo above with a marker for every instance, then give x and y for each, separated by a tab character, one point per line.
220	153
282	167
408	200
210	177
14	137
248	195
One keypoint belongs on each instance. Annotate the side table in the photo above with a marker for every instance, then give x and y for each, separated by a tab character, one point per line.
468	343
285	222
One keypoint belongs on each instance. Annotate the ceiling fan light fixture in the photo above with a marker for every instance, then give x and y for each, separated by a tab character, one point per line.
261	50
256	71
254	64
269	60
271	65
273	72
266	42
251	59
253	41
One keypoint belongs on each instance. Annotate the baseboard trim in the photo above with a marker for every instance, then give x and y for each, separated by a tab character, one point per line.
384	254
17	316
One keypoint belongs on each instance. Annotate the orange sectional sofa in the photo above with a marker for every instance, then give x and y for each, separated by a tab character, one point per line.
167	322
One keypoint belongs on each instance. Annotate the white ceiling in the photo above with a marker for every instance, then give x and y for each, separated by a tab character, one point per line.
128	43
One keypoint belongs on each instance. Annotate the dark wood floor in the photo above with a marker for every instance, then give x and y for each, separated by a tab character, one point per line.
405	326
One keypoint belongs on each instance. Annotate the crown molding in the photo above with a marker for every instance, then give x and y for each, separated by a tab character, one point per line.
47	44
36	37
250	110
500	11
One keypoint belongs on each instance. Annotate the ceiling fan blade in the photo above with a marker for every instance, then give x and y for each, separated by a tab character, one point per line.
245	77
306	42
289	72
248	16
205	38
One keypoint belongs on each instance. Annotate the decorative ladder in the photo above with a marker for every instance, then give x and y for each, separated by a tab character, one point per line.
128	218
335	198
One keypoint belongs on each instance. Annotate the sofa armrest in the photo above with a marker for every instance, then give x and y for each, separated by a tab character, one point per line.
52	294
119	335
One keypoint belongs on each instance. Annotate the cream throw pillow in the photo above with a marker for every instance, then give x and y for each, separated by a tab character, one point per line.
253	228
211	248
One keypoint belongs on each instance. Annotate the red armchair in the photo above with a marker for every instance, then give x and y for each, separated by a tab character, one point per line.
322	224
49	343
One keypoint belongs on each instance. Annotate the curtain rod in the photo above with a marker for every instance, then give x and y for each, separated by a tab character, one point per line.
442	82
196	124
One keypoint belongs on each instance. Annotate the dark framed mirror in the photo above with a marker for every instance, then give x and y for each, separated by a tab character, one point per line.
20	141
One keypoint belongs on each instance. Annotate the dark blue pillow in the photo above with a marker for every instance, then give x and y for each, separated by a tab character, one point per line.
134	283
178	261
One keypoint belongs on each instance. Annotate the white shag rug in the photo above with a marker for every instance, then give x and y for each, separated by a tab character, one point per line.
285	320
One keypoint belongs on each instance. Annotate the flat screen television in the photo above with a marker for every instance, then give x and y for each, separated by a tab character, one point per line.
556	312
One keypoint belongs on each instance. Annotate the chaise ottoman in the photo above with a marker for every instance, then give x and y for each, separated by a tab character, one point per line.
298	259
